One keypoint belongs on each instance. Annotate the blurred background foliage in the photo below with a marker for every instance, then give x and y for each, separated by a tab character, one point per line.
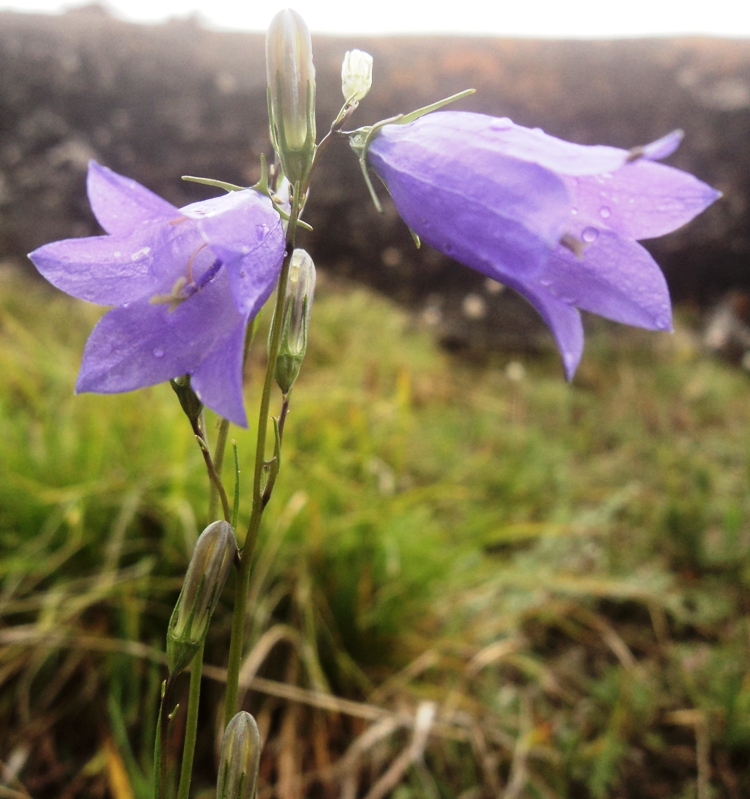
474	579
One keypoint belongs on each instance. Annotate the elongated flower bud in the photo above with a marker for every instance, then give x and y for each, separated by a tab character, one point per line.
208	570
300	289
291	93
356	75
239	759
188	398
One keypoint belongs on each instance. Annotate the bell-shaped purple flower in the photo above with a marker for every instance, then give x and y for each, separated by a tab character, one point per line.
185	283
556	221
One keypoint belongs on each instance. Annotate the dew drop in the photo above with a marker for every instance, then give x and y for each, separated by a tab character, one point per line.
590	234
157	353
605	212
261	230
546	282
501	123
118	254
574	211
142	253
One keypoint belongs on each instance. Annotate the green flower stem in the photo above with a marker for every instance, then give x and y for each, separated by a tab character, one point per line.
213	473
191	724
160	745
218	461
243	578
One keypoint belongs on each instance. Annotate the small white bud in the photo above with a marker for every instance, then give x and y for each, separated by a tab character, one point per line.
356	75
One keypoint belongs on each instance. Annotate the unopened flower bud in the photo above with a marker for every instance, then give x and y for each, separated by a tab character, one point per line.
209	567
239	759
187	397
356	75
300	289
291	93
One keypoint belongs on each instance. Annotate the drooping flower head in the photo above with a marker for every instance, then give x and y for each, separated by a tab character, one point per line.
556	221
185	283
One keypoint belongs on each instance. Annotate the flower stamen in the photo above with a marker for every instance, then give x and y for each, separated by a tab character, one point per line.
575	245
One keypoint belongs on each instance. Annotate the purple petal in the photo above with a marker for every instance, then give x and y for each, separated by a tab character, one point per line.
141	344
467	132
245	232
641	201
217	380
616	278
477	206
112	270
562	319
121	204
663	147
235	224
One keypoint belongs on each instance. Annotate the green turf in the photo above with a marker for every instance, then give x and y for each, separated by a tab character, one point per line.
563	569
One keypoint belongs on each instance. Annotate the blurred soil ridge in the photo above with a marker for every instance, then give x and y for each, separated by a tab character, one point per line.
157	102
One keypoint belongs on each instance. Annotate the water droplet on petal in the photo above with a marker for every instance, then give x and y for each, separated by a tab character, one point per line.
157	353
261	230
546	282
501	123
590	234
574	211
605	212
117	254
142	253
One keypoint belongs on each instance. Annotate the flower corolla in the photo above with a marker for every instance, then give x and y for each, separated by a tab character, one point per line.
556	221
185	283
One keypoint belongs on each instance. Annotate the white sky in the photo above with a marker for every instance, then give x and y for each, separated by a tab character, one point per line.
544	18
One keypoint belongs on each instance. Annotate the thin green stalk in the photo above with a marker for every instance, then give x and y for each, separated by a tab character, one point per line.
218	461
191	724
242	587
160	745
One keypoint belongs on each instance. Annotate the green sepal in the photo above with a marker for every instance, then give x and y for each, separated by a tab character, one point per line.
361	138
217	184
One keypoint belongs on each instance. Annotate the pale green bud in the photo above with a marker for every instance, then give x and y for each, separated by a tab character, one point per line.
356	75
239	759
300	289
209	567
188	398
291	93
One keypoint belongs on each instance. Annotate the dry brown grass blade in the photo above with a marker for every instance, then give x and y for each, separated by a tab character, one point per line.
519	773
697	719
31	636
492	653
412	755
117	775
257	655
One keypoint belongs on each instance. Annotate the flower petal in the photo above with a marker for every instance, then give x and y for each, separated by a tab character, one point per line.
562	319
244	230
141	344
121	204
112	270
467	132
234	224
479	207
616	278
217	380
642	200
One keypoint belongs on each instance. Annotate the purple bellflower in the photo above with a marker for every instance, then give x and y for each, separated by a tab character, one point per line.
556	221
185	283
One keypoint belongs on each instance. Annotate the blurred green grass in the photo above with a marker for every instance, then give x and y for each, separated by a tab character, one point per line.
564	570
